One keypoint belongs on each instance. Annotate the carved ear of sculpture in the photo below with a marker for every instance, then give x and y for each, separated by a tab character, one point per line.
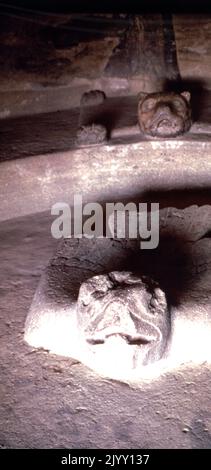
94	287
123	277
158	302
141	97
186	95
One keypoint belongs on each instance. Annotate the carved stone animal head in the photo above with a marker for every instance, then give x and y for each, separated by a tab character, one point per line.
164	114
124	308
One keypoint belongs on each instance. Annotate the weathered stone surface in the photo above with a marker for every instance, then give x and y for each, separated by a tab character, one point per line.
176	169
92	98
164	114
193	44
181	265
91	128
47	62
93	134
49	401
120	308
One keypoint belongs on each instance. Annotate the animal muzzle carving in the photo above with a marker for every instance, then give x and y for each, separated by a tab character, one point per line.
164	114
165	123
118	321
127	313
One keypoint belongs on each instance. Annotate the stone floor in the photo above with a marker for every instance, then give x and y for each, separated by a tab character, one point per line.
50	401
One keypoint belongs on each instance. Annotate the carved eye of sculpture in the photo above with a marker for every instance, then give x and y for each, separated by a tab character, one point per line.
178	104
94	341
148	105
139	340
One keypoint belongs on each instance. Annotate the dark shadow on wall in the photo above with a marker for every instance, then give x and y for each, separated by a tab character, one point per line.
168	264
200	96
179	198
171	263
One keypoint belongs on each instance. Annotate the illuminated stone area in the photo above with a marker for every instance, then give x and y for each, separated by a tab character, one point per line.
62	320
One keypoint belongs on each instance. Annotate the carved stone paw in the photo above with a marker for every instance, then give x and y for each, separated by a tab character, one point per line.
92	98
91	135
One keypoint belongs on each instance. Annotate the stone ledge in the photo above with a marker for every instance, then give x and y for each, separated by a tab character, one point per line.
105	173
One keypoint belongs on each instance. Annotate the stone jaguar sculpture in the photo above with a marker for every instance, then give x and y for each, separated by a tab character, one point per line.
90	132
128	312
164	114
